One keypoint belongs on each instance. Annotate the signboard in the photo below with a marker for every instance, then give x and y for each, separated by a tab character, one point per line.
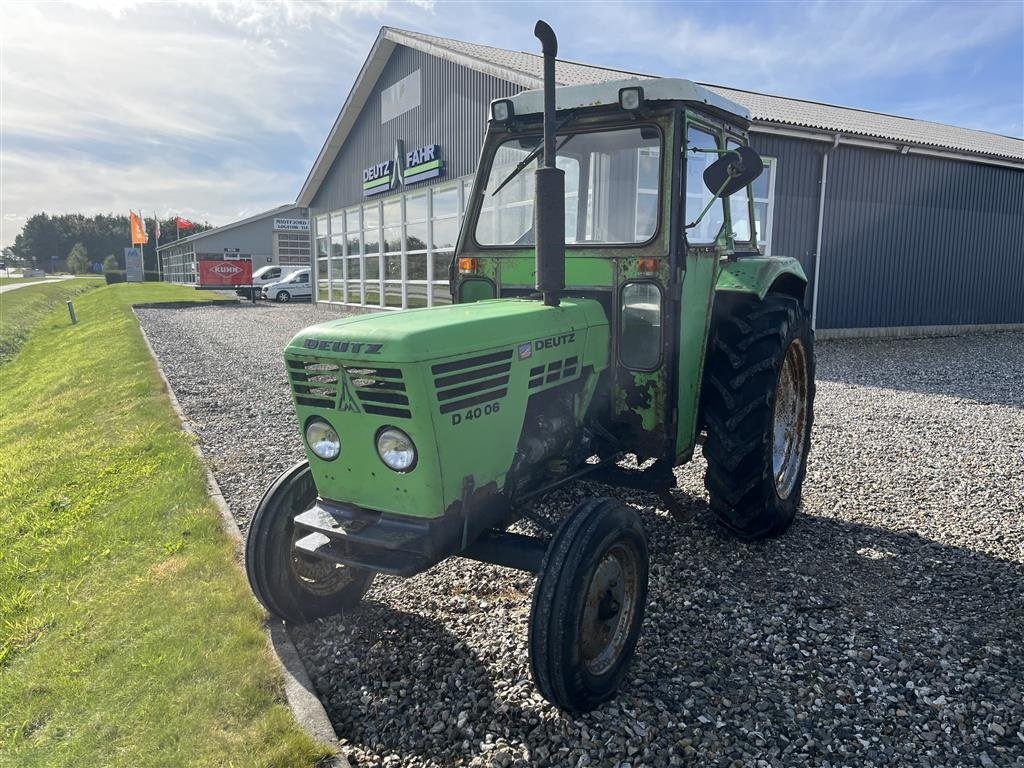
214	273
133	271
404	168
294	225
232	250
401	97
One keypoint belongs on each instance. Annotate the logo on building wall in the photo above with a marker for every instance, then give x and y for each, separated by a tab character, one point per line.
404	168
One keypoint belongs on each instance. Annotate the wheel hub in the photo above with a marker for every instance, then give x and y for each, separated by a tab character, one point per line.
608	609
790	419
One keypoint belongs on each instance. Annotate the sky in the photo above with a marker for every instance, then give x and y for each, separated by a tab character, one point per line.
217	111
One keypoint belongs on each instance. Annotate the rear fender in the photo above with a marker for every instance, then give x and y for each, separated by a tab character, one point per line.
759	275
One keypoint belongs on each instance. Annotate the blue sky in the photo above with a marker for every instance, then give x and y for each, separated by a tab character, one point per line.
217	111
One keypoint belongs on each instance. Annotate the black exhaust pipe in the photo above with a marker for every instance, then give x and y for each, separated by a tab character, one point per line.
549	202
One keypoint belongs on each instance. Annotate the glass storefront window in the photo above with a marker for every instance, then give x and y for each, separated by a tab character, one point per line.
396	251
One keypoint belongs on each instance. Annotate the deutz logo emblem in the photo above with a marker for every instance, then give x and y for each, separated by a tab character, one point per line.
347	403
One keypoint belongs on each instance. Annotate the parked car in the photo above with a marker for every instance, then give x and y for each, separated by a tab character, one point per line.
268	275
295	287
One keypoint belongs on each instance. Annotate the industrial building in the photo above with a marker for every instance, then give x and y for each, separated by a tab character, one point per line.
902	225
278	236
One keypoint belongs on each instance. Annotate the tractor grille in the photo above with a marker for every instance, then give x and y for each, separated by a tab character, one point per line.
314	384
472	381
375	390
557	370
381	391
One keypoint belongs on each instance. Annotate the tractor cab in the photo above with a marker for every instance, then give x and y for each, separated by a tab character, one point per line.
644	235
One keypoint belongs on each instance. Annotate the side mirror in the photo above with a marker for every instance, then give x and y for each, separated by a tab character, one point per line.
733	171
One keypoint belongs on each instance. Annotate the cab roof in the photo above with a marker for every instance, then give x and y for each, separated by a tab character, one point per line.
607	93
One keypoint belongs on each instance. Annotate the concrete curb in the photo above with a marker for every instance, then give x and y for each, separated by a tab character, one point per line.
298	687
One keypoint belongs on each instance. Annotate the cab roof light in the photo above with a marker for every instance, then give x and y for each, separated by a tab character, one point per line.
502	111
468	265
631	99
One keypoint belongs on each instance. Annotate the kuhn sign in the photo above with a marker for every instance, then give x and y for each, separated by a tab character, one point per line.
214	273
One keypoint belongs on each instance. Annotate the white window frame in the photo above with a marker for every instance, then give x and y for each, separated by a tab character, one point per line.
765	238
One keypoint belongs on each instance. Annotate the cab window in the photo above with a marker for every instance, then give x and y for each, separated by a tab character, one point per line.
697	195
640	346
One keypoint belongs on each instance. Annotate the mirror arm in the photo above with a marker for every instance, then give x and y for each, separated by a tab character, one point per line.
710	203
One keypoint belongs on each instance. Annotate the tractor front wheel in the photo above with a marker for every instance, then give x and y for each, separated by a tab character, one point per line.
292	586
588	605
758	406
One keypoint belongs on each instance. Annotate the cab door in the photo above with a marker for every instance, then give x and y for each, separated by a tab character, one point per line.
705	245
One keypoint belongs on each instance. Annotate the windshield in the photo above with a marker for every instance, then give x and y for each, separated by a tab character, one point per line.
611	188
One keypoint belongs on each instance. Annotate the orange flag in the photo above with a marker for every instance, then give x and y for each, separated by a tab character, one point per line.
138	229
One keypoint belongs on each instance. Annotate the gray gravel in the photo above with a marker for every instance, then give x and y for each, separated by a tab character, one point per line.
884	629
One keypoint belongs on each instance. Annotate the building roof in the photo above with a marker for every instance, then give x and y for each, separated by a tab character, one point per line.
216	230
526	69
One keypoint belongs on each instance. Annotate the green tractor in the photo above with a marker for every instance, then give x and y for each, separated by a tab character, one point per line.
609	304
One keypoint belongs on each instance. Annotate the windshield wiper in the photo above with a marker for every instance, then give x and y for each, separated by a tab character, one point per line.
533	155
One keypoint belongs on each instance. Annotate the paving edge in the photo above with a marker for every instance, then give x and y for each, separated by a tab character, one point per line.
299	691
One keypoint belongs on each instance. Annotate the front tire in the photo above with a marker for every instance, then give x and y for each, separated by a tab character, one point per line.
588	605
284	297
291	586
758	408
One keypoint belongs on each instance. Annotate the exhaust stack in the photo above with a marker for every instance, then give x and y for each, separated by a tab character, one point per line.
549	199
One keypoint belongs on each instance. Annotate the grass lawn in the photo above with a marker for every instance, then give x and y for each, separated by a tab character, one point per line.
128	636
20	310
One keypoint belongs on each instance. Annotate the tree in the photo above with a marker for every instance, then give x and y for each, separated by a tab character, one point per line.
46	239
78	259
111	264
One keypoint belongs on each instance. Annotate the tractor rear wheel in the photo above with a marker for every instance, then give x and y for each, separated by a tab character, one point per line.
758	407
588	605
289	585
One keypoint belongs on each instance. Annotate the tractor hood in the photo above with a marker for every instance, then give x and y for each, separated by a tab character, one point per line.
436	333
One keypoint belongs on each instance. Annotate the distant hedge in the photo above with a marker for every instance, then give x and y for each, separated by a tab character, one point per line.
120	276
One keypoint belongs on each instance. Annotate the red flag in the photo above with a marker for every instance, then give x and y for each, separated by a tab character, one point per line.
183	223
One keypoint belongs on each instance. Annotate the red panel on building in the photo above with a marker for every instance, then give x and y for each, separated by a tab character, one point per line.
224	272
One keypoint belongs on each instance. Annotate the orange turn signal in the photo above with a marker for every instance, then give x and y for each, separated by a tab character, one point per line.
468	265
647	266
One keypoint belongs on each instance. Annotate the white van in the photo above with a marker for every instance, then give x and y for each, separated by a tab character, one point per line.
297	286
272	273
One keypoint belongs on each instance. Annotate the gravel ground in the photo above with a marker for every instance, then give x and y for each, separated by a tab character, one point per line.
884	629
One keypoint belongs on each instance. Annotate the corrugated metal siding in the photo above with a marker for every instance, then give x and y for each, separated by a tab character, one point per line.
797	174
453	113
912	240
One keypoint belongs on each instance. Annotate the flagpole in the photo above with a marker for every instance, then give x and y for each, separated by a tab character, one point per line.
156	234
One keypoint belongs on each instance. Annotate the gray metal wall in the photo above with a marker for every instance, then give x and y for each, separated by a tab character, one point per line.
915	240
453	113
254	238
797	172
907	240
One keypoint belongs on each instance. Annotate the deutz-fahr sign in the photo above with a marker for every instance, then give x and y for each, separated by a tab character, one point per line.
404	168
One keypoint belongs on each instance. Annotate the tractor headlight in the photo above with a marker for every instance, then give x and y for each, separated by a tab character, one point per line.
322	439
396	449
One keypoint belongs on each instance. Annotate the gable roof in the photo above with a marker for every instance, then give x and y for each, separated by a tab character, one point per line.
526	70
